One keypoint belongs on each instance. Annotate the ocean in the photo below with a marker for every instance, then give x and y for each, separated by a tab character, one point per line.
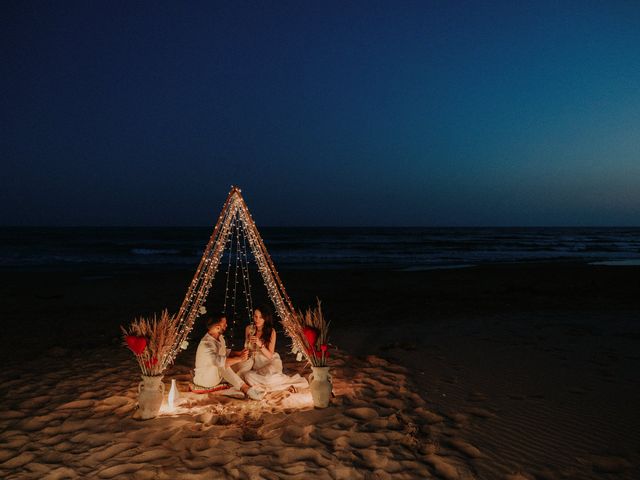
318	247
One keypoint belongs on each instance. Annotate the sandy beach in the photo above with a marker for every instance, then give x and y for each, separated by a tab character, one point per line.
438	201
513	372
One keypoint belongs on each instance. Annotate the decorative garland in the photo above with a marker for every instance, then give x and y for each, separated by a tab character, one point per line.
234	215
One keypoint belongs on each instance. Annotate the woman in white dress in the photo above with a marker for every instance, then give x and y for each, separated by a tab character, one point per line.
266	370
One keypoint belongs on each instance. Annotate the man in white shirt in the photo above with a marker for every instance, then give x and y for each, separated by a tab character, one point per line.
214	360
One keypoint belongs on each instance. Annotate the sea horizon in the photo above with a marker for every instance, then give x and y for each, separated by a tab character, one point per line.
397	248
327	226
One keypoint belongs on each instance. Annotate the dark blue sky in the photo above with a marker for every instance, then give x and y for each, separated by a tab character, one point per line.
347	113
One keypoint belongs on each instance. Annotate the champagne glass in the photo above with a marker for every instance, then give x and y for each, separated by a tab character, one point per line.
251	345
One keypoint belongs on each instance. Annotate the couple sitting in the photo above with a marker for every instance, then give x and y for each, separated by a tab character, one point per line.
250	373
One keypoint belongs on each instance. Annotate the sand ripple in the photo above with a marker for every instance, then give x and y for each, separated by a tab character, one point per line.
70	425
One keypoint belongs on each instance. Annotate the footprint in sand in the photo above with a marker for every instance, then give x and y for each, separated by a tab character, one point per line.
374	425
480	412
360	440
116	400
394	403
70	425
97	439
53	438
18	461
150	456
460	419
477	397
376	361
88	395
77	404
60	474
206	418
11	415
35	423
63	447
367	392
466	448
6	454
301	460
362	413
55	458
373	459
80	437
327	435
344	424
119	470
113	450
250	434
428	416
296	434
443	467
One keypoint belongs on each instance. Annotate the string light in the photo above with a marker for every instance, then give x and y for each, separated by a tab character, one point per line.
235	236
246	278
226	286
234	218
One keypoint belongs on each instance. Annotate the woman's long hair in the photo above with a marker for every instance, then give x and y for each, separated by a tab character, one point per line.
267	328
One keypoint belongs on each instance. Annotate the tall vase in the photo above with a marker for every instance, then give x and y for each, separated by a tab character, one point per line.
150	395
321	386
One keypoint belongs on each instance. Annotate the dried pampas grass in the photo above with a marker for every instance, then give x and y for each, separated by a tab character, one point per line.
159	335
309	332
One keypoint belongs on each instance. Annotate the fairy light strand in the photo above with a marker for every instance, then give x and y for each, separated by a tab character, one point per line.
226	286
235	238
198	288
236	209
246	277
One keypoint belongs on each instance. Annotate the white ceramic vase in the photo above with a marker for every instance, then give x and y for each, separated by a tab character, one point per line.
321	386
150	395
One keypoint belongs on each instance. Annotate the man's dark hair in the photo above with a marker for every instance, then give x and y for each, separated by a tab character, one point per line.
215	319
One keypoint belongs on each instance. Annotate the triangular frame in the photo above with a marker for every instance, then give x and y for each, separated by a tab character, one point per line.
199	288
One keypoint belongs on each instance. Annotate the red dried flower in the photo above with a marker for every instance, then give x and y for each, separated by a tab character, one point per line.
136	344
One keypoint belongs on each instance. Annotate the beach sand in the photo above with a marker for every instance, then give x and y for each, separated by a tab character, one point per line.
510	372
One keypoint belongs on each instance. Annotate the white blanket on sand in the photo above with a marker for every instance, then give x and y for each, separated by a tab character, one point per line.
267	374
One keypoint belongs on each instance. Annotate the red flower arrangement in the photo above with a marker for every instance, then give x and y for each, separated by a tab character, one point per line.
151	341
136	344
309	332
312	334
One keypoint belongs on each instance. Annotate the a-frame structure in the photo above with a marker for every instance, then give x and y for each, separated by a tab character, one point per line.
234	210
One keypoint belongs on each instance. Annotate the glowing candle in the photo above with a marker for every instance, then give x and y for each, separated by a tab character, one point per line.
173	394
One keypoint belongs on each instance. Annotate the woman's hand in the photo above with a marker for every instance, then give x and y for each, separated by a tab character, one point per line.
257	340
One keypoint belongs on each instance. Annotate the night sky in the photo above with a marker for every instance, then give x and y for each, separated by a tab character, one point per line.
428	113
